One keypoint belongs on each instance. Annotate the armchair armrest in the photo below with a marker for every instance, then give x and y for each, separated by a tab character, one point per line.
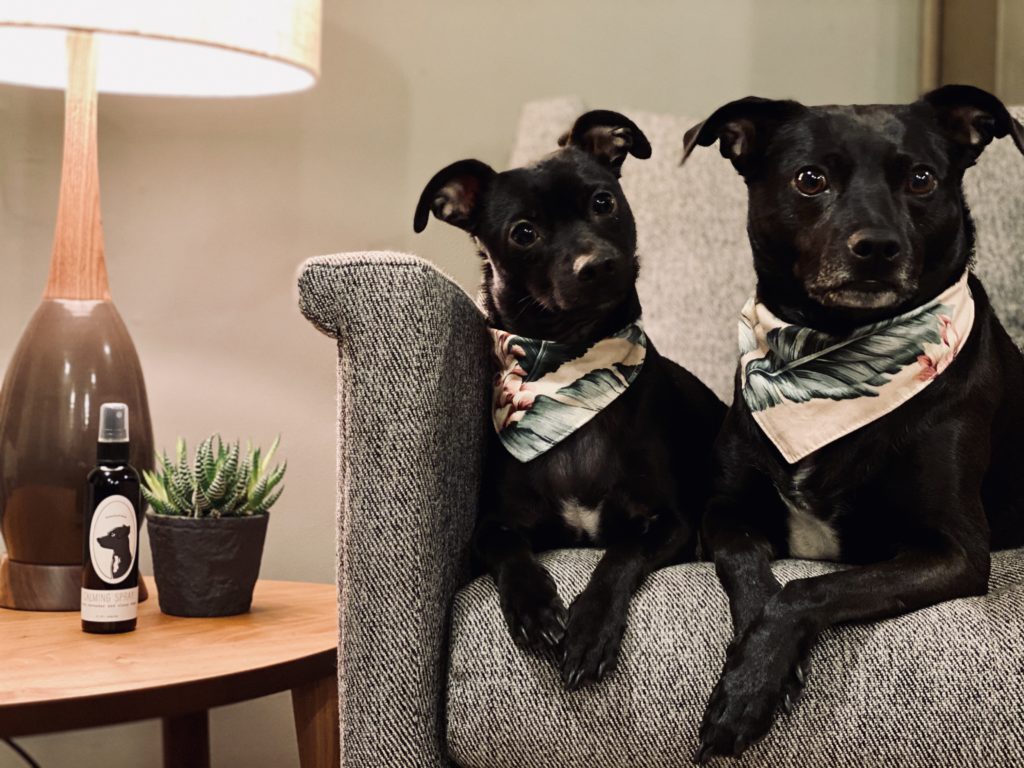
412	393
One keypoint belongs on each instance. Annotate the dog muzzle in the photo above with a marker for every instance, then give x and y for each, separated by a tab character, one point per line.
807	389
546	390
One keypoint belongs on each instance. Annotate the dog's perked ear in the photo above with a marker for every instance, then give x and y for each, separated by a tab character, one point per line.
742	128
608	136
973	117
454	195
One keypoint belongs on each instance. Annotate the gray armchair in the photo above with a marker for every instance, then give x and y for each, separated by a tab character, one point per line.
428	675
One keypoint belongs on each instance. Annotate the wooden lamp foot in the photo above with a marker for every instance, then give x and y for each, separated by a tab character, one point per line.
34	587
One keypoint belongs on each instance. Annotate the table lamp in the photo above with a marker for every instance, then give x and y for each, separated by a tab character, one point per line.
76	352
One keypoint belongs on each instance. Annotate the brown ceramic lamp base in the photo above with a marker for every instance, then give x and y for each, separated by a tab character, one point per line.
32	587
73	356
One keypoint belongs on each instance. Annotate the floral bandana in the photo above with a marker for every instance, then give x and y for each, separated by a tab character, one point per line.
545	390
806	388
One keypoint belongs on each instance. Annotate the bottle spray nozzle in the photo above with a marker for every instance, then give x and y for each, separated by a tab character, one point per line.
113	423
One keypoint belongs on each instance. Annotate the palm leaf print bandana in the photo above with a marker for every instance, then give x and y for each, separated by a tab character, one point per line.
806	388
546	390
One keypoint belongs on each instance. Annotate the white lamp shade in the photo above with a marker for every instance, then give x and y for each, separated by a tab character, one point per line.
167	47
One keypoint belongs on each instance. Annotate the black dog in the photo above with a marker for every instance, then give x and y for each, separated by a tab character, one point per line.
856	215
558	245
121	557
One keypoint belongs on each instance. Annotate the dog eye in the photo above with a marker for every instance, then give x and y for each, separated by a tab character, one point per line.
810	181
921	181
523	234
602	203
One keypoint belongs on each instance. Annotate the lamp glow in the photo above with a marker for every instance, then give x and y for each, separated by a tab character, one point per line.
183	48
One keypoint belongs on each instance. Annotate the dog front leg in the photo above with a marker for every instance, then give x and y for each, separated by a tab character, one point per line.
762	667
742	555
738	535
637	545
535	614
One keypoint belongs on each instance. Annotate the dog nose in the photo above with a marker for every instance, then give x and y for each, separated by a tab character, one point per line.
591	266
875	244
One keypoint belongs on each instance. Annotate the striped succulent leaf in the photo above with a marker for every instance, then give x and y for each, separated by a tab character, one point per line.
221	480
270	501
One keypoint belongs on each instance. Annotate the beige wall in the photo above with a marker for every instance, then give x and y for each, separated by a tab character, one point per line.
210	206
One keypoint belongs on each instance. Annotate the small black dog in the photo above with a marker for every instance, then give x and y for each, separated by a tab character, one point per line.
121	557
860	233
558	244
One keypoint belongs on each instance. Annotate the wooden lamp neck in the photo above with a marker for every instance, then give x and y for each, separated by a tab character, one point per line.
77	267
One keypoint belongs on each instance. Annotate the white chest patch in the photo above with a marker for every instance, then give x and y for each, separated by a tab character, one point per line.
582	519
810	536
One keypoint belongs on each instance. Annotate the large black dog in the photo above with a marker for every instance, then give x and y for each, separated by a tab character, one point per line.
558	246
856	221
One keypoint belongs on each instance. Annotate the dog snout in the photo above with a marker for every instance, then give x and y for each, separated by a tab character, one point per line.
590	267
874	245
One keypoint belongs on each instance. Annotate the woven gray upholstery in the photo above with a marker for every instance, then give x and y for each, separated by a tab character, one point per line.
410	434
942	686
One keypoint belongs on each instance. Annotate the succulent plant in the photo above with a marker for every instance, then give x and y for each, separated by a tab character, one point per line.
219	482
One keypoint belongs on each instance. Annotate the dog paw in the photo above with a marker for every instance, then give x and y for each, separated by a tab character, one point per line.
590	649
535	614
765	669
794	685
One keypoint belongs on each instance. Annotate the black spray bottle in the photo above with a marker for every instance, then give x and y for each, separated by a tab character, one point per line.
110	565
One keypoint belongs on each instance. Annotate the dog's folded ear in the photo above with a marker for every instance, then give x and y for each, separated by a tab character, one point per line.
742	128
454	195
973	117
608	136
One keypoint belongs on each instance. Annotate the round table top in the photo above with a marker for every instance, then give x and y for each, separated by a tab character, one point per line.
56	677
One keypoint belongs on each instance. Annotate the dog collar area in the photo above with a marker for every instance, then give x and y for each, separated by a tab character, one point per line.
806	388
545	390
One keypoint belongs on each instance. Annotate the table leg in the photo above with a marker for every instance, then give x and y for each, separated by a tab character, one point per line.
187	741
317	728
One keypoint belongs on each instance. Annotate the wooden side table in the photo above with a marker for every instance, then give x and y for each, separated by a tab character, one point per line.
56	677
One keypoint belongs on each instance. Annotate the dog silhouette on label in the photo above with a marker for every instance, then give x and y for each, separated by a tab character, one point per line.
117	539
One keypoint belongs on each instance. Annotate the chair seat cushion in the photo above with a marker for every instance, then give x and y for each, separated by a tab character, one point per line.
943	685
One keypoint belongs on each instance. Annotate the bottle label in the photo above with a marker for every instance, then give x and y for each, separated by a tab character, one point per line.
110	604
113	539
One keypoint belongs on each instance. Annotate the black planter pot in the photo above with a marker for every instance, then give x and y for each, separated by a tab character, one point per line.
206	566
